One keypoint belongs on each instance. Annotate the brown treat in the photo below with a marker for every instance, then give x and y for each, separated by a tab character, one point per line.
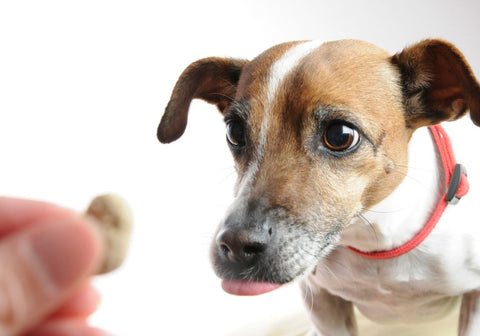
114	221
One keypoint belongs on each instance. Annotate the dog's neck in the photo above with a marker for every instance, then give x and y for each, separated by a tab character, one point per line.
398	218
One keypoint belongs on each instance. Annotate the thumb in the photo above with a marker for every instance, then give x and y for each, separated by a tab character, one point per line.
41	267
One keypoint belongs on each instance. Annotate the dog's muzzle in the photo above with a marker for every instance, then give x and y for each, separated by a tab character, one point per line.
265	246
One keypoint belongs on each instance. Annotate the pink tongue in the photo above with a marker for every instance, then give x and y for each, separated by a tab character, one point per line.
239	287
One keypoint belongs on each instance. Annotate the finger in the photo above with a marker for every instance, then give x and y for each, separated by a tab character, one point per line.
18	213
41	268
81	305
67	327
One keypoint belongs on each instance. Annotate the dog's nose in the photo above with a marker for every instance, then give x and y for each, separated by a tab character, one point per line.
242	246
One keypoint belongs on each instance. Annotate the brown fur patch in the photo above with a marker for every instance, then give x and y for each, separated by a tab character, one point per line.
212	79
438	84
294	173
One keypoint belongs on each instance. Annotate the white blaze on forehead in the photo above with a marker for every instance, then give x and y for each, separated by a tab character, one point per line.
284	65
278	71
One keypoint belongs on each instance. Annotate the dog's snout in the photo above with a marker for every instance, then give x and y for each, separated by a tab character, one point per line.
262	244
244	245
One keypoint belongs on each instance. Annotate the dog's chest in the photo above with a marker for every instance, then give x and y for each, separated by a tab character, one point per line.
410	288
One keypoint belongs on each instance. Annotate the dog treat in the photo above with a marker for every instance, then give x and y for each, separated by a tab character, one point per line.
114	221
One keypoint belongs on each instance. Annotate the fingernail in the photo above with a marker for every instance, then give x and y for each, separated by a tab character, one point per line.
65	251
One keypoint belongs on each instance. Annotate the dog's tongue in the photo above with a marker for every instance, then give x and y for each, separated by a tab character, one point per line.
239	287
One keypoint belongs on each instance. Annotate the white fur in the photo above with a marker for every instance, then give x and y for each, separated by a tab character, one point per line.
425	283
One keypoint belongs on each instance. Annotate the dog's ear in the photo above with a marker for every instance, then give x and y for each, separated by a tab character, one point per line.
438	84
211	79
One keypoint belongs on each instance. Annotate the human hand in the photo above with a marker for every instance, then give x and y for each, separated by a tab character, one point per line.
47	255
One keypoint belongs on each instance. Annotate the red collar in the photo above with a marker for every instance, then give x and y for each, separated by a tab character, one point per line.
456	187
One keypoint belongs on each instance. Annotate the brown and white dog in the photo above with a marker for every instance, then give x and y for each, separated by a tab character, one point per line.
335	171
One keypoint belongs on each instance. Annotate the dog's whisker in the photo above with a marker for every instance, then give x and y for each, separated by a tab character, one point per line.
229	171
327	269
230	98
334	260
418	182
371	227
386	212
308	296
409	168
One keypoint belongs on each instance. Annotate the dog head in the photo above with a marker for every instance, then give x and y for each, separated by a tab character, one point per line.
319	134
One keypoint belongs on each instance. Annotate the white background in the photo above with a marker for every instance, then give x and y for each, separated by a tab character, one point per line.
83	85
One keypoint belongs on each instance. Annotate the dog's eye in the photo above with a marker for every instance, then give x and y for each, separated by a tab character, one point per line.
235	134
340	137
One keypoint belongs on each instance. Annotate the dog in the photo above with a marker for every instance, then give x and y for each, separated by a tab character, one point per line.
346	181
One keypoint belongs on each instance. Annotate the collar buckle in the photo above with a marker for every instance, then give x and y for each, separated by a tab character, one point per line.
457	181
